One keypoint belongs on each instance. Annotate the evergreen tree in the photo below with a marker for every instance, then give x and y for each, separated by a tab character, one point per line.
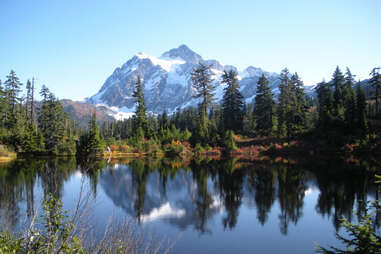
18	129
287	105
202	82
232	102
264	108
140	114
338	82
33	139
12	99
164	120
300	114
96	143
375	82
325	105
349	97
91	142
361	120
2	105
51	120
229	142
249	126
29	103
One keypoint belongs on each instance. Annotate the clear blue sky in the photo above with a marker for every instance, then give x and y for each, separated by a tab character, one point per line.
73	46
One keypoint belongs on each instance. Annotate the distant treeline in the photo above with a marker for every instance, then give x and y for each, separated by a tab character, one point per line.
340	113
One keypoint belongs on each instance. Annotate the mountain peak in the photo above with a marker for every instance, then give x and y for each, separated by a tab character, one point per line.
184	52
167	84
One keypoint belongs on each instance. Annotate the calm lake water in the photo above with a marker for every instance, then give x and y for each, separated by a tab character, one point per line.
206	206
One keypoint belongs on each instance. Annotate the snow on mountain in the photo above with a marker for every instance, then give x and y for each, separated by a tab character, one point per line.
167	83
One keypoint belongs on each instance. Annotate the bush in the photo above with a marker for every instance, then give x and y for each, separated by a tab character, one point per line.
58	234
198	148
229	142
174	149
66	148
54	236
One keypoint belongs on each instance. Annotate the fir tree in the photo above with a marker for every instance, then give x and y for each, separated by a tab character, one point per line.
12	90
51	120
164	120
375	82
91	142
232	102
141	117
2	105
249	126
18	129
325	104
94	138
338	82
33	140
349	100
12	99
29	103
361	120
301	108
287	105
202	82
264	108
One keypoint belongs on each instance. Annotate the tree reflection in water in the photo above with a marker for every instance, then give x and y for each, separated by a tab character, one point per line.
190	194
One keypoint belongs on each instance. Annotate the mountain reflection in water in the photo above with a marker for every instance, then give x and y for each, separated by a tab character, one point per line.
197	194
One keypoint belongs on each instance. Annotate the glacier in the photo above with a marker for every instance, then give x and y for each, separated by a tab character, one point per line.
166	82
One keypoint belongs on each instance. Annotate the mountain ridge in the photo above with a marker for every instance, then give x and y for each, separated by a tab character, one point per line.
166	81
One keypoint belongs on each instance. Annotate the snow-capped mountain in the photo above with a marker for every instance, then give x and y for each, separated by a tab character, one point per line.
166	81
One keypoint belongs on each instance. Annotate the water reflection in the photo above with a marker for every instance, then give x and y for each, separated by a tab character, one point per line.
191	194
18	180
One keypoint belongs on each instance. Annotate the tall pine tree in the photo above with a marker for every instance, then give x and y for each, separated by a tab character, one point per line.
29	103
325	105
349	97
91	142
141	123
301	108
361	119
338	82
286	105
232	102
202	82
51	120
12	99
375	82
264	108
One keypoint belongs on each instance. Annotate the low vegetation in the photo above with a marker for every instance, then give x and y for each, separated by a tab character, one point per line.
57	232
363	237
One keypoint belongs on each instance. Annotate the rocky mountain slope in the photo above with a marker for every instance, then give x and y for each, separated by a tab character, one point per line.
81	112
167	84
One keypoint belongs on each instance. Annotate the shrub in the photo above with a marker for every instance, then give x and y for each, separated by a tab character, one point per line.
198	148
58	234
229	142
66	148
174	149
54	236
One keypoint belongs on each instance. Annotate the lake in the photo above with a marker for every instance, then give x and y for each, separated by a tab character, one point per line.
204	206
